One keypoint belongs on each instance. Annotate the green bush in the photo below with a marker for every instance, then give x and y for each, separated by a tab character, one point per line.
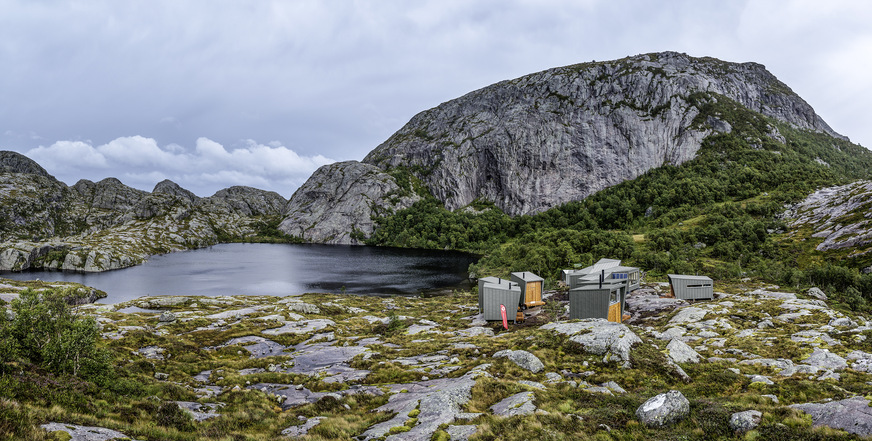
46	332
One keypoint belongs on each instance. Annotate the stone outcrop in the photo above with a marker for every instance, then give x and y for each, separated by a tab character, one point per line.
851	414
341	199
663	409
838	216
556	136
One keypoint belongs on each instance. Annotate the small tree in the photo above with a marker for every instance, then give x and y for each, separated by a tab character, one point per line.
45	331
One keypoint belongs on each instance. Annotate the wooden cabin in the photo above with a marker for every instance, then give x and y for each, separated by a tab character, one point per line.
691	287
531	288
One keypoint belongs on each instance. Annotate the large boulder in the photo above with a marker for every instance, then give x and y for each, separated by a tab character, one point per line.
680	352
851	414
523	359
663	409
745	421
600	337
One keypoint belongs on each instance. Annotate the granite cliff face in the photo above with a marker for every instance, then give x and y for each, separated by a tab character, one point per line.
560	135
337	203
108	225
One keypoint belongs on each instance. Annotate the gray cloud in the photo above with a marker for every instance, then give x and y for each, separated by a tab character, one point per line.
209	166
334	79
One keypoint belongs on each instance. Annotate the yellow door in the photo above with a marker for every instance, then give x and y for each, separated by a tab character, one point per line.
533	295
615	312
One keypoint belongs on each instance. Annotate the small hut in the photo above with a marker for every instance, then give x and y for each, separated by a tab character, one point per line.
494	294
691	287
531	288
481	282
605	300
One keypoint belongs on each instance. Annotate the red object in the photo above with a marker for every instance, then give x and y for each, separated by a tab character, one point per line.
505	319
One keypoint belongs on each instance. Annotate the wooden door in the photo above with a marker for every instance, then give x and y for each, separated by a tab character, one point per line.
615	312
533	293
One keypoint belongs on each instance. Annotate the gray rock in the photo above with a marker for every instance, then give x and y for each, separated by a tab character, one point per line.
523	359
816	293
439	402
663	409
600	337
257	346
745	421
614	387
304	308
517	404
862	361
167	316
851	414
461	433
690	314
760	379
843	322
680	352
475	331
199	411
824	359
152	352
86	433
532	384
303	429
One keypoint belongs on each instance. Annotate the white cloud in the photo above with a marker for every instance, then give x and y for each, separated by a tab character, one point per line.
209	168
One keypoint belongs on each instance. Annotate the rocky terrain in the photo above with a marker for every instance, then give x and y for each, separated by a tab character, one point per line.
757	362
840	216
98	226
552	137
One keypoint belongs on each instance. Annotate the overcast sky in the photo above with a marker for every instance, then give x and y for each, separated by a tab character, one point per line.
218	93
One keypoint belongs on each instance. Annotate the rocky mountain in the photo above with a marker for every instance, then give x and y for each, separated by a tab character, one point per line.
107	225
339	201
555	136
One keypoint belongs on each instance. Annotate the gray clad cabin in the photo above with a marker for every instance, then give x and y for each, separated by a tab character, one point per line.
605	269
606	301
481	282
691	287
495	293
531	288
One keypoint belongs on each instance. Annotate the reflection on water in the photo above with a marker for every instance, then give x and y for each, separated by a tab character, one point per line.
276	269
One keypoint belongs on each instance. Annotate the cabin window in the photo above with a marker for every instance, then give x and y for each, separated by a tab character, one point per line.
613	297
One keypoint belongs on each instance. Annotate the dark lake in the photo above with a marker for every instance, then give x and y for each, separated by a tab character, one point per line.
276	269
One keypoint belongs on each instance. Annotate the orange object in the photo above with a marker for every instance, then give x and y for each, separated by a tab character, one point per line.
615	313
505	318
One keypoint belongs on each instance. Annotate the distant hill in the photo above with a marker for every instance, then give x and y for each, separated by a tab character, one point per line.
107	225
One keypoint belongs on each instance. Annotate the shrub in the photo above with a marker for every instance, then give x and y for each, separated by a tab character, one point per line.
46	332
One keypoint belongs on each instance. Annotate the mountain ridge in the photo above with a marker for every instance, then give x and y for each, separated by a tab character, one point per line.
107	225
562	134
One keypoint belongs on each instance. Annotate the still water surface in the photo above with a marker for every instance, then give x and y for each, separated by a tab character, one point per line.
276	269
